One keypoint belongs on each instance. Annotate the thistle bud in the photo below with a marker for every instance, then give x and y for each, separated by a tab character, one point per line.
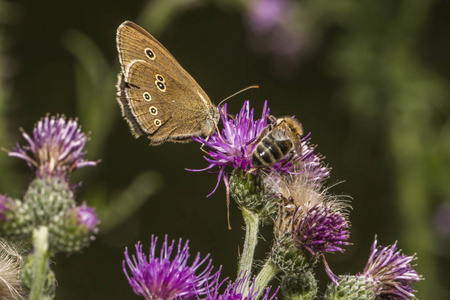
15	218
74	229
299	286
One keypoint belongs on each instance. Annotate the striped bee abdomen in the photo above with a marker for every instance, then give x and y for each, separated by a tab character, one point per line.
270	150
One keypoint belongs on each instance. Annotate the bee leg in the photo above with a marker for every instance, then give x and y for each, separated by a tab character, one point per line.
299	150
251	170
272	118
288	160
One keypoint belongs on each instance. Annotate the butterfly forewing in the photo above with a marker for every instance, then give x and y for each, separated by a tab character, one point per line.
132	43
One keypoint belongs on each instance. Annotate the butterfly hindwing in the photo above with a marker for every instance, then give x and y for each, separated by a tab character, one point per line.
158	102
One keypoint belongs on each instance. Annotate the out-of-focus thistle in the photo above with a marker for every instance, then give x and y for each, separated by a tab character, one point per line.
278	28
55	149
75	230
48	215
16	218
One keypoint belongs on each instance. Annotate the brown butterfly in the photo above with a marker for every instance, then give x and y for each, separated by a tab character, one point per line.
157	96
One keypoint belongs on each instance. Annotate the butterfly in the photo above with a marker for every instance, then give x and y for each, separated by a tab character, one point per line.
158	98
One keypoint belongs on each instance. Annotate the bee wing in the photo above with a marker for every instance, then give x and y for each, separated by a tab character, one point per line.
283	135
298	145
280	134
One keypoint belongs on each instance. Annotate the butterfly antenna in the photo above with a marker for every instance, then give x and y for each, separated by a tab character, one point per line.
238	92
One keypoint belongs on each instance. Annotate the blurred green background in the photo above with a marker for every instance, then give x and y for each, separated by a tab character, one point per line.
368	79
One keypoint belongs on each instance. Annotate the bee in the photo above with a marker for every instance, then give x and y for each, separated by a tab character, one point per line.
277	141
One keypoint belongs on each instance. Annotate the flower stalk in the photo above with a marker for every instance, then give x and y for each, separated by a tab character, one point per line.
267	273
40	267
251	220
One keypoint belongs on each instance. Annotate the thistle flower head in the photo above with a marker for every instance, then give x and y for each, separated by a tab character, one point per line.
390	272
87	217
265	15
320	228
277	27
55	148
163	277
235	144
238	290
15	218
73	229
310	229
312	165
304	182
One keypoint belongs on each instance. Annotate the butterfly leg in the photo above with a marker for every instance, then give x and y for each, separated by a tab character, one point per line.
207	138
218	133
201	147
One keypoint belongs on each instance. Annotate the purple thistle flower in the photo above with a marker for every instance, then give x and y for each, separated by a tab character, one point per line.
265	15
390	272
312	164
235	144
164	277
87	217
442	219
320	229
238	290
277	27
56	147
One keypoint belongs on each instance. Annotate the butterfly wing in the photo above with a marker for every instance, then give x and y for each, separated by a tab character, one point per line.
182	108
133	42
163	107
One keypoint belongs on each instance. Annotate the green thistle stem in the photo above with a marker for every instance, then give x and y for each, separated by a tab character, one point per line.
251	220
41	256
267	273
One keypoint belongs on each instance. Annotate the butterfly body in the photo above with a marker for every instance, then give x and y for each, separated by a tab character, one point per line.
157	96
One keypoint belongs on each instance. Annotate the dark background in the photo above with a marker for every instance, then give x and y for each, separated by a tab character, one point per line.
370	84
